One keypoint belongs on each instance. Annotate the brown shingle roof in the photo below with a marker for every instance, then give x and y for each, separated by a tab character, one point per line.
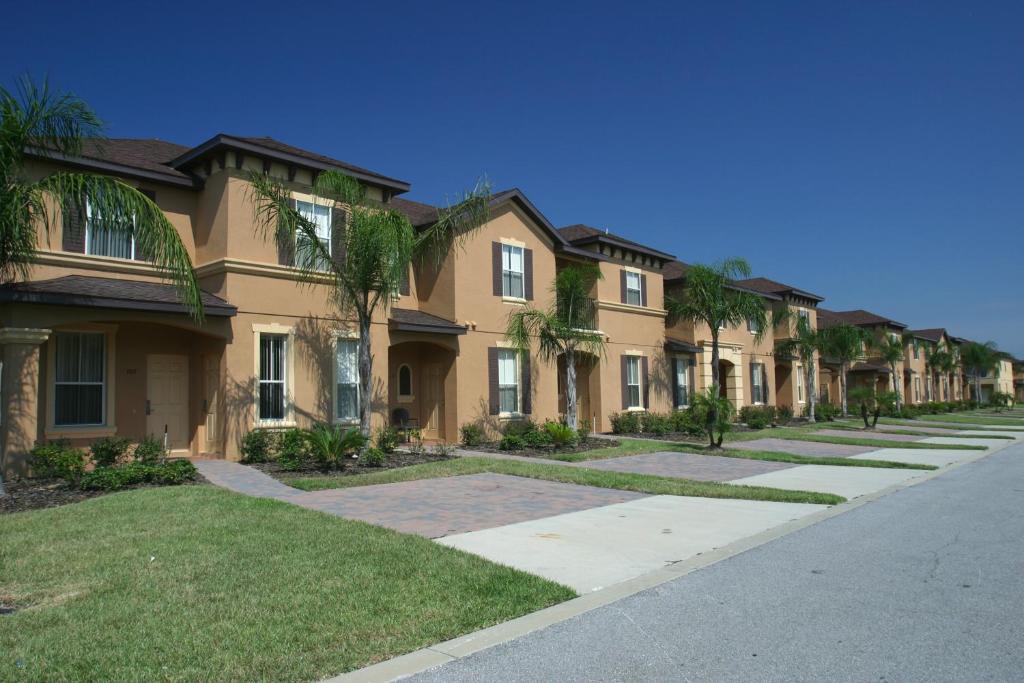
861	317
418	213
583	233
102	292
278	146
675	270
763	284
147	154
933	334
411	320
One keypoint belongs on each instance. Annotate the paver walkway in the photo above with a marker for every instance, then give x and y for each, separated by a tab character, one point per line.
801	447
688	466
428	507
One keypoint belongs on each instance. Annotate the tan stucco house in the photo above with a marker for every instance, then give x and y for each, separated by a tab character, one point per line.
870	370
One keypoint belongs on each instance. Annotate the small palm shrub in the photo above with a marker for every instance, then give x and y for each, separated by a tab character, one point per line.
472	435
106	452
626	422
704	404
149	450
332	445
560	435
57	460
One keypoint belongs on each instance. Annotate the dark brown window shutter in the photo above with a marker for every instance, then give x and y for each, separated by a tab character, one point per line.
286	252
622	285
675	382
493	400
140	254
496	268
528	274
645	377
643	290
73	238
524	384
338	235
625	382
693	377
764	382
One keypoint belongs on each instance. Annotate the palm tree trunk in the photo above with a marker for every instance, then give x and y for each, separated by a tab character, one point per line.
896	386
811	398
570	388
713	412
842	388
365	376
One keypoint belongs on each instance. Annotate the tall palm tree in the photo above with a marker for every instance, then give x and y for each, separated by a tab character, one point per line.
379	243
709	297
39	123
890	350
35	121
566	329
978	359
940	363
843	343
803	344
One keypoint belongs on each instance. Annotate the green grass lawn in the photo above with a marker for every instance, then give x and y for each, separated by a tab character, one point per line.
934	425
913	432
775	456
881	443
200	584
626	481
970	419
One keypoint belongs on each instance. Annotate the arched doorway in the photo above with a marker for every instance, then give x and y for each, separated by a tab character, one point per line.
421	379
725	379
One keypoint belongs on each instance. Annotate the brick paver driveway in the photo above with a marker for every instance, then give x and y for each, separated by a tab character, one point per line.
687	466
801	447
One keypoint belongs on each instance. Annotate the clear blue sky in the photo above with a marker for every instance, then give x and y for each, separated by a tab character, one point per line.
872	152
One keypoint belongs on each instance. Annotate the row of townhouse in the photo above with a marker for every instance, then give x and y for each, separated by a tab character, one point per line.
96	343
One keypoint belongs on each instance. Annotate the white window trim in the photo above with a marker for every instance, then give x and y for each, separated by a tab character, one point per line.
289	374
685	361
109	426
512	248
798	371
757	380
339	337
411	396
639	289
518	375
639	381
89	237
317	201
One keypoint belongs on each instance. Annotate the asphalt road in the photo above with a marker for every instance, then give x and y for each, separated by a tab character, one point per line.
926	584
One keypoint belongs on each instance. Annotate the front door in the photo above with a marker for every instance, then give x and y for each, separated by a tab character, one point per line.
211	386
433	402
167	399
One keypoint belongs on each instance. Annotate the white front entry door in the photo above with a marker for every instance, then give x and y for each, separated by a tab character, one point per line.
167	399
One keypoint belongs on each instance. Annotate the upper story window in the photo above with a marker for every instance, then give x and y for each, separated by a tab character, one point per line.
512	271
634	289
102	238
508	381
79	379
752	326
273	393
320	216
805	315
917	350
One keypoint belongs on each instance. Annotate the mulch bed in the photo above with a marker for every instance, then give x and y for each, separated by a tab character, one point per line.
38	494
581	447
353	467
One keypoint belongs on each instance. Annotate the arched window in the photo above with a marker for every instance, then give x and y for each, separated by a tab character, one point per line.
404	381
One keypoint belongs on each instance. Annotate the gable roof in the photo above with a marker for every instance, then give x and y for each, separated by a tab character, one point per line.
580	235
932	334
763	284
861	318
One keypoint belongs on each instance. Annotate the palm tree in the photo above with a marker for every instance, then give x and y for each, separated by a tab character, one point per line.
940	363
843	343
35	121
709	297
804	342
379	243
978	359
566	329
890	350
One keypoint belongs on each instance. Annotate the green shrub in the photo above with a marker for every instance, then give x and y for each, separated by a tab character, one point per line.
518	427
167	473
537	438
560	435
655	423
373	457
702	407
685	422
582	434
446	450
783	415
826	412
149	449
472	435
757	417
258	446
627	422
57	460
511	442
106	452
332	445
387	439
294	449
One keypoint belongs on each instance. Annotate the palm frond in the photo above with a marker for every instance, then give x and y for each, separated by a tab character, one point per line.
50	123
454	225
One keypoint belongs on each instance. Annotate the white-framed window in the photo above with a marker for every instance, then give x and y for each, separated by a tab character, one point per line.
346	378
320	216
79	390
633	382
404	381
273	399
634	288
508	381
752	326
757	382
805	315
682	370
799	372
512	271
102	240
917	390
930	391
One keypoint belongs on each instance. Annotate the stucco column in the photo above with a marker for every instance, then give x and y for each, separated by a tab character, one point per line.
20	393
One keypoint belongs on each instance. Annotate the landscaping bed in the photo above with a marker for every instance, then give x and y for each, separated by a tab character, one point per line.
39	494
354	467
580	446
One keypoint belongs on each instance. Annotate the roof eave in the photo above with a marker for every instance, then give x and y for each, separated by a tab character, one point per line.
114	168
